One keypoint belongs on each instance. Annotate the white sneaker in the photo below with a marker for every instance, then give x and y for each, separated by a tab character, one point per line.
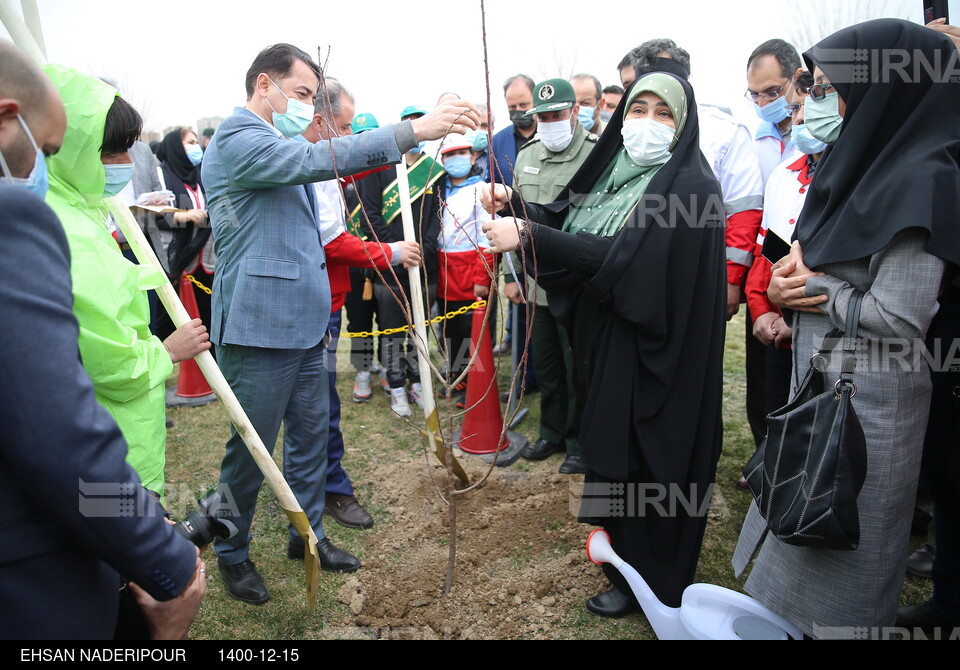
361	387
399	403
416	394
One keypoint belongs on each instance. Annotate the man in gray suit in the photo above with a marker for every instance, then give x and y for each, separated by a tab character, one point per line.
271	296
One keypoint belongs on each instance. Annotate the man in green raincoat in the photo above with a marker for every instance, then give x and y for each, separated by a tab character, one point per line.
128	365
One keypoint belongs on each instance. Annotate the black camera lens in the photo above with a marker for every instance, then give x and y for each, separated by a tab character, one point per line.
202	526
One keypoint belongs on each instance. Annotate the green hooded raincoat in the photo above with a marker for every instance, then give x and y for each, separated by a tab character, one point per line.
128	365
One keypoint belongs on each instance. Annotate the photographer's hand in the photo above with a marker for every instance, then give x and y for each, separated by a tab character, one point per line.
171	620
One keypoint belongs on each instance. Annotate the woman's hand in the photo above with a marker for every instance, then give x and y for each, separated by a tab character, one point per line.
504	234
481	291
789	282
495	198
187	341
197	217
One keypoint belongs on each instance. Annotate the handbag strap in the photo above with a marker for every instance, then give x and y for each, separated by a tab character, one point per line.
850	338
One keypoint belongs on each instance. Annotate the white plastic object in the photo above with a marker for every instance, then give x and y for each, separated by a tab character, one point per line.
706	612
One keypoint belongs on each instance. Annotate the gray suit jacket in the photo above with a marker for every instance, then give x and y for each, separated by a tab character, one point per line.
271	288
146	180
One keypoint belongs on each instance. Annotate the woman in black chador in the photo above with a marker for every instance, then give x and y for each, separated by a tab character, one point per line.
632	257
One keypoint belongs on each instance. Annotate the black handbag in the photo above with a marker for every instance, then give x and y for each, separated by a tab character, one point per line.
809	470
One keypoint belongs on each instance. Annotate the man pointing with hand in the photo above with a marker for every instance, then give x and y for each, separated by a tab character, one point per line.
271	296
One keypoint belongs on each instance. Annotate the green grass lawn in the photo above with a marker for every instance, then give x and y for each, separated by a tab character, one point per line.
195	447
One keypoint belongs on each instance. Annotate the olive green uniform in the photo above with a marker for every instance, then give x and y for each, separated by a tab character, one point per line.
539	176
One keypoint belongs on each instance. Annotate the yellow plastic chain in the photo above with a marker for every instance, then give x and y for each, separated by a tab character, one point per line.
388	331
193	280
435	320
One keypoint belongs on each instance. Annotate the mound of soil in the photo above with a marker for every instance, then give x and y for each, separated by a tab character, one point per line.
521	566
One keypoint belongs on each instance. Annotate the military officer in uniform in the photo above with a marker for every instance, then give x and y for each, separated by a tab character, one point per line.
544	166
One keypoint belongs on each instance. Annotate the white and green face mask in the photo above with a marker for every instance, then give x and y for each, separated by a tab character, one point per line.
822	118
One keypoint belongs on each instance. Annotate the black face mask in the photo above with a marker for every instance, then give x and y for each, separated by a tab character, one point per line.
519	120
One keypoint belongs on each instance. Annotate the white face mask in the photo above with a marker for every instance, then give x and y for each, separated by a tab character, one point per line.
647	142
555	135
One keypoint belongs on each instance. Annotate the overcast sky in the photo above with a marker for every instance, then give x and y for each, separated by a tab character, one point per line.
180	60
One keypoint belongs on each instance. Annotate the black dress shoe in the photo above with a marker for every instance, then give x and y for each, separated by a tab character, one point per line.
920	562
335	559
539	450
926	617
332	557
572	465
612	604
295	551
244	582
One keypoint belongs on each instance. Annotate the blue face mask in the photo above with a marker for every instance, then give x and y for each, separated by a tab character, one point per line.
116	178
480	140
773	112
418	149
457	166
194	153
585	117
295	120
37	183
806	142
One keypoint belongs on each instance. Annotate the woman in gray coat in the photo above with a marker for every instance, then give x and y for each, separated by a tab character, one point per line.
880	218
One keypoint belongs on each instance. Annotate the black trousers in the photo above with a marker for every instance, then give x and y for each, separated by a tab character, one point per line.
398	352
777	373
553	363
360	315
941	455
756	394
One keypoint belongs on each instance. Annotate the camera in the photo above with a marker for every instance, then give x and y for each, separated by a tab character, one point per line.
202	525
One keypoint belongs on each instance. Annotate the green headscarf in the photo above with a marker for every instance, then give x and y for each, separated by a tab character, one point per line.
622	184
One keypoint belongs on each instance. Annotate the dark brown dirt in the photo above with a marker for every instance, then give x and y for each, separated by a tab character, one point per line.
521	567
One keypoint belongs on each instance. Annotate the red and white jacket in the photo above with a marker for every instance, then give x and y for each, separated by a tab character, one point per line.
783	200
464	259
728	147
342	249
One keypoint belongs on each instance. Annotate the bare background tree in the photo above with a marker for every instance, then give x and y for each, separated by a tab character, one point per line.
564	64
806	22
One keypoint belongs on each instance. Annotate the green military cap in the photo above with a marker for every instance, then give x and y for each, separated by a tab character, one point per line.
412	110
552	95
362	122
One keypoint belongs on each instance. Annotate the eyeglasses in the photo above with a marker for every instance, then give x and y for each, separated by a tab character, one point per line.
818	92
769	95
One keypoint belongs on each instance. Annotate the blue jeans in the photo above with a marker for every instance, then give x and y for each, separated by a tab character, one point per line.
274	385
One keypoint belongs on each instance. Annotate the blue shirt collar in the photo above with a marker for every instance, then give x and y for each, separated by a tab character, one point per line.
472	179
768	129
